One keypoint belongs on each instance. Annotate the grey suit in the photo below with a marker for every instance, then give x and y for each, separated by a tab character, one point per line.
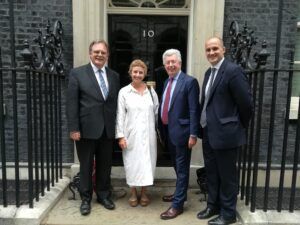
94	117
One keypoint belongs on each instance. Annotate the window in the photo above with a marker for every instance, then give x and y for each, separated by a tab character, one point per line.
150	3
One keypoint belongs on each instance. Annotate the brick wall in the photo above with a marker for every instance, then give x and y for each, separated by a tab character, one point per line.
261	16
29	17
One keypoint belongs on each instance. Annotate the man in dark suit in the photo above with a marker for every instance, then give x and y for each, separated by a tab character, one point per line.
91	110
179	126
226	108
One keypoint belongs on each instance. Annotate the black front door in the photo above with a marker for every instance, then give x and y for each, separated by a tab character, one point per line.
146	38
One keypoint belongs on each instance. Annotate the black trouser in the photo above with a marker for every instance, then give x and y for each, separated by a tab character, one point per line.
222	180
100	150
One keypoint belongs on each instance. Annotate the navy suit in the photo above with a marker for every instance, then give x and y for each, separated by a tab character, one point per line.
183	121
228	112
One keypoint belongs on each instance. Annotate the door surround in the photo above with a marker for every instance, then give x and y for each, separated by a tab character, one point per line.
206	19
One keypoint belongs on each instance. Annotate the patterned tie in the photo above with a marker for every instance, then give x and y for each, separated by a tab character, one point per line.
164	116
103	85
203	121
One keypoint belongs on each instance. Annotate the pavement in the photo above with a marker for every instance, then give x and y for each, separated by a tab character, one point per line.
56	208
66	212
24	215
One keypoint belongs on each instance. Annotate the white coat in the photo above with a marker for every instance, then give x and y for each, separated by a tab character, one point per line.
136	120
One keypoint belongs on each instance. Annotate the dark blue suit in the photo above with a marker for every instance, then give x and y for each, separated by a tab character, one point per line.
183	121
228	112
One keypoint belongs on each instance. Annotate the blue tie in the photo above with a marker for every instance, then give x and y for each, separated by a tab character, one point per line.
103	85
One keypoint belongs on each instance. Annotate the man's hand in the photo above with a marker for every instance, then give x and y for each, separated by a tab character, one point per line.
192	142
75	135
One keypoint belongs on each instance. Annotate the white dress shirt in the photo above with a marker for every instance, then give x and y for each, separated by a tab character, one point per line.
96	72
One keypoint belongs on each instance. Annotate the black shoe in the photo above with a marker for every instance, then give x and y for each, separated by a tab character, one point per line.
207	213
85	207
220	220
107	203
168	198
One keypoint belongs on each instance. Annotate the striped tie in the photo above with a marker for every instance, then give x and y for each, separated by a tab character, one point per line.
103	85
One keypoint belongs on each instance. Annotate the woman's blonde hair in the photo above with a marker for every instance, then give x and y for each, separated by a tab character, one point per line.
139	63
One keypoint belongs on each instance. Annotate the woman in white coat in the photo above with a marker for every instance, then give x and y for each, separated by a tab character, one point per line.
135	131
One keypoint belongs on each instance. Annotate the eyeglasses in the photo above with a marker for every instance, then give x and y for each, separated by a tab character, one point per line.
99	52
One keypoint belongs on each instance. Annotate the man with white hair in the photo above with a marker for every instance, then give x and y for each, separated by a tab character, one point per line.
179	126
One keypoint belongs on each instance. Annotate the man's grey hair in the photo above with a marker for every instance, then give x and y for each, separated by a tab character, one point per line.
170	52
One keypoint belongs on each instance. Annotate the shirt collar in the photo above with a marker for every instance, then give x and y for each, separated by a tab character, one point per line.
177	75
218	65
132	89
96	69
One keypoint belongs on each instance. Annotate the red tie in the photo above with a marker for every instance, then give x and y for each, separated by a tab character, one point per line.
164	116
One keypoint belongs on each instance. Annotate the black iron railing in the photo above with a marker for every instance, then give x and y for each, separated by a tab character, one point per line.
271	90
257	156
30	99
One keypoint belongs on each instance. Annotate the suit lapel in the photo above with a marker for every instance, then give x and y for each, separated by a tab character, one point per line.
161	98
177	88
165	84
218	79
109	80
206	77
164	89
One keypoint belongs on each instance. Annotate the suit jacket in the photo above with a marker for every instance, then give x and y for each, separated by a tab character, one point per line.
229	107
87	110
183	115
